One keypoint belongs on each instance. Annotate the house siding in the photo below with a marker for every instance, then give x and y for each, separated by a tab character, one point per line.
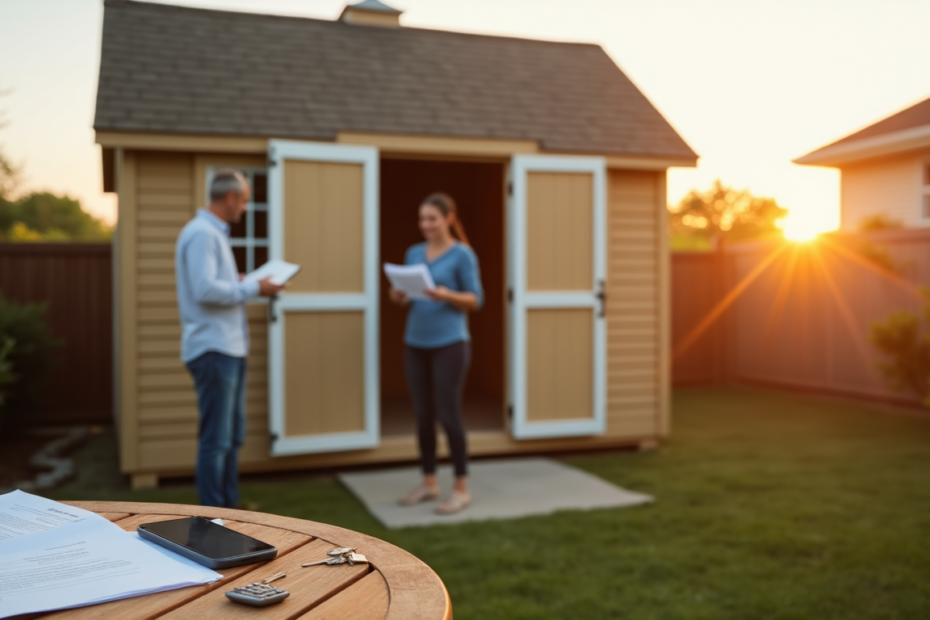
635	357
890	186
161	400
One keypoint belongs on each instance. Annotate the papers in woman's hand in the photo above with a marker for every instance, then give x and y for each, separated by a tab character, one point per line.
278	270
413	280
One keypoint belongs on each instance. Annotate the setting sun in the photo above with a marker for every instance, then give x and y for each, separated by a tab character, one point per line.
798	229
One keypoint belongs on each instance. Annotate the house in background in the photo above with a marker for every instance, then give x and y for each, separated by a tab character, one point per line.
557	161
884	169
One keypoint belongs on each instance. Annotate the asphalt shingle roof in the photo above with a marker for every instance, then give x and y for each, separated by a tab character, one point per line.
172	69
915	116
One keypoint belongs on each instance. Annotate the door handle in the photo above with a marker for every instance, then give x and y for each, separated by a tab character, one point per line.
272	313
602	299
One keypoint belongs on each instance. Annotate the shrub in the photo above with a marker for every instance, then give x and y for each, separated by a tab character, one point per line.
880	256
7	376
900	337
30	356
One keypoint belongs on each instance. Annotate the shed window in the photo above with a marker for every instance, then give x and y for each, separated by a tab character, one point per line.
249	238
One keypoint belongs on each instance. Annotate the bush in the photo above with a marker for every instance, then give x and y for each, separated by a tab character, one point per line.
900	338
7	376
30	355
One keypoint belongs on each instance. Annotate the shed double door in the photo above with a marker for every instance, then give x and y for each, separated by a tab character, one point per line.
323	332
557	271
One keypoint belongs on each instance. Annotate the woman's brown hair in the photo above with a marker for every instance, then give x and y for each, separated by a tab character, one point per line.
446	205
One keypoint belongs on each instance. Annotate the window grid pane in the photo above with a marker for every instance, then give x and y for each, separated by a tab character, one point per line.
250	252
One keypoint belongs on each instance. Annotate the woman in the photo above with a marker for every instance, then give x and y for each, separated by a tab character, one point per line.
438	348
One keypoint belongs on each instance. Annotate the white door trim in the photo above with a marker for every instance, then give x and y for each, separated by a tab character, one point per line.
524	300
368	301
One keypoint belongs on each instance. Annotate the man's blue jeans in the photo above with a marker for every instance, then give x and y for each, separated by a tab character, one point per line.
220	383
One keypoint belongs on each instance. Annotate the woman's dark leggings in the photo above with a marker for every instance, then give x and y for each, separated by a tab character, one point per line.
436	378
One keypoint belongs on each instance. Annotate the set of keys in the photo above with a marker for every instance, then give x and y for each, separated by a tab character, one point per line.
262	594
342	555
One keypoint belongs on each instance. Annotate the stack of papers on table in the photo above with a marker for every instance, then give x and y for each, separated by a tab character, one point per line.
55	556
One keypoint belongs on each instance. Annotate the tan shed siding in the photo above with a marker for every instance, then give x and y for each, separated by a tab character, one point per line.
164	398
633	304
888	186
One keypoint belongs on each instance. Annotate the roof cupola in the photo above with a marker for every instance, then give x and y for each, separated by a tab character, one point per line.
371	13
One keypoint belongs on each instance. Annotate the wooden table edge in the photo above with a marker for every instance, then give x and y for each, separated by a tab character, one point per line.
424	595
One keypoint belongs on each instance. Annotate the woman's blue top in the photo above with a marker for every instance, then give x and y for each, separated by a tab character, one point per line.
433	324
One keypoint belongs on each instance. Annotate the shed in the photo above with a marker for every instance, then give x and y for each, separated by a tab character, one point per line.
884	169
557	161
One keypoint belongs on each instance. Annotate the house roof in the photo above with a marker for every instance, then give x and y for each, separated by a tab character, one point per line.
904	131
170	69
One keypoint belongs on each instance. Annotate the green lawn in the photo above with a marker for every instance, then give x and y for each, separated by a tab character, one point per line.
768	505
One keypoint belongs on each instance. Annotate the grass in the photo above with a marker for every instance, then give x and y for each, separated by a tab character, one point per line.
768	505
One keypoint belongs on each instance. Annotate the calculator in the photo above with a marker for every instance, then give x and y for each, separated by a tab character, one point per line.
257	595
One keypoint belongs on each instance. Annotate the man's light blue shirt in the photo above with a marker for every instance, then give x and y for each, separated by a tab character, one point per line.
211	299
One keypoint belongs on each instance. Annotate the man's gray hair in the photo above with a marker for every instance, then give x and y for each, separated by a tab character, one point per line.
225	181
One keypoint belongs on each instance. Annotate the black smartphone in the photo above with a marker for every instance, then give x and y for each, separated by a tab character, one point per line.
207	543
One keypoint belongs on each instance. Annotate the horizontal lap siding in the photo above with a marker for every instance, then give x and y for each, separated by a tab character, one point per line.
165	402
890	187
633	327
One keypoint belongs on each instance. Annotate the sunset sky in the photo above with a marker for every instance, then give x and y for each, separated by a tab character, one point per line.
750	85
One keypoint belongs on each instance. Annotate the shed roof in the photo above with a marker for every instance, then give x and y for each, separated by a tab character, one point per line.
903	131
170	69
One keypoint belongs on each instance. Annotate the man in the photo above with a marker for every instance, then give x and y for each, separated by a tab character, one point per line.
215	334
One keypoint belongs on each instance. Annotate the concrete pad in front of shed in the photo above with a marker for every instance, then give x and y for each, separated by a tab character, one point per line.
501	489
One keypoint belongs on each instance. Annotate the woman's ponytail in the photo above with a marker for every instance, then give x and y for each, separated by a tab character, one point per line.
446	205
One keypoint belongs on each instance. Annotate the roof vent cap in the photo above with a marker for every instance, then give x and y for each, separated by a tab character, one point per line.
371	13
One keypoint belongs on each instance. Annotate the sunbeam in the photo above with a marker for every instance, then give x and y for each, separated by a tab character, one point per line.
910	287
784	289
844	309
725	303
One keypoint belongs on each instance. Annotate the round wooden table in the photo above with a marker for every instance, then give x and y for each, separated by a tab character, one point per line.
394	585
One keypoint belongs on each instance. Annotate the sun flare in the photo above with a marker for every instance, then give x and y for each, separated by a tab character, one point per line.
798	230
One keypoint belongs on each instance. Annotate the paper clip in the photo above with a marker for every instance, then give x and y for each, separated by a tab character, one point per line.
275	577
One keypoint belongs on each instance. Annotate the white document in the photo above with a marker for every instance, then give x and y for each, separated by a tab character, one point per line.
80	561
413	280
22	514
279	271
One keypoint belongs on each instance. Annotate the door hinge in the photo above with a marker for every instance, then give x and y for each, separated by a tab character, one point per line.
271	160
510	295
273	437
510	411
510	189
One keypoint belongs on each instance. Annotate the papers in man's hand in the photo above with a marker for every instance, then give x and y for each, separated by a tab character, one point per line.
278	270
413	280
55	556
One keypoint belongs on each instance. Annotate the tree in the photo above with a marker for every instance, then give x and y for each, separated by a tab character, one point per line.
9	176
9	172
723	211
41	216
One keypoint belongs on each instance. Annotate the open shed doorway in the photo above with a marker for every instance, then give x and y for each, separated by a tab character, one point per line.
478	189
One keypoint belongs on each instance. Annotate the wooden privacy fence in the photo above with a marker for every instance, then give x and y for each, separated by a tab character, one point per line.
780	314
794	315
75	280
